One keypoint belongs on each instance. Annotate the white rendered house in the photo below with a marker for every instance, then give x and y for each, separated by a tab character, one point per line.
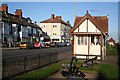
89	36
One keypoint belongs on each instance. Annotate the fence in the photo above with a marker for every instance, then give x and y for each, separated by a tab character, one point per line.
17	65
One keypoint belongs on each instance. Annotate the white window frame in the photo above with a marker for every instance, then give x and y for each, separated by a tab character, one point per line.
82	40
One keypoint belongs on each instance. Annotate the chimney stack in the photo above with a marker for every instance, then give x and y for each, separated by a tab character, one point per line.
59	17
18	12
52	16
68	22
4	8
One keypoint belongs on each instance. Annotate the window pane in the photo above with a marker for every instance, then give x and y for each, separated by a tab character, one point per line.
82	40
92	40
98	40
78	40
85	40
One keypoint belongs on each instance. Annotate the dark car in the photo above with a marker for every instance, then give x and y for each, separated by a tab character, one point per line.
26	45
59	44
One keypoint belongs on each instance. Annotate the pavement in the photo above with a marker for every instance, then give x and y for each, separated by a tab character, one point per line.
9	48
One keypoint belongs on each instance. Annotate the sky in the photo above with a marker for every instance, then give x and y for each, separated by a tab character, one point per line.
39	11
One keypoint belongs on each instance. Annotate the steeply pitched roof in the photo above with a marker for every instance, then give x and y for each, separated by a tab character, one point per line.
111	40
101	22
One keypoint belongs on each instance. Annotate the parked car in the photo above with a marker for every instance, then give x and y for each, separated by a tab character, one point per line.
52	44
67	43
39	45
26	45
42	45
60	44
47	44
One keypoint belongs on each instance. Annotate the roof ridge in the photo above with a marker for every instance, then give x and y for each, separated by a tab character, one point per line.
79	21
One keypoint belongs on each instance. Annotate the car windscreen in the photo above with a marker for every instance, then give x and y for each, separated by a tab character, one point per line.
23	42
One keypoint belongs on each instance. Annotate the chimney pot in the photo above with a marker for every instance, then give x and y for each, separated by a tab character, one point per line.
4	8
52	16
18	12
59	17
68	22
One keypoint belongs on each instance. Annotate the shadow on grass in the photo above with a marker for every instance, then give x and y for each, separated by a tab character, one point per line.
101	76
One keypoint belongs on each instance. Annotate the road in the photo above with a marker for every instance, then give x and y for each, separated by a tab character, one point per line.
23	52
17	61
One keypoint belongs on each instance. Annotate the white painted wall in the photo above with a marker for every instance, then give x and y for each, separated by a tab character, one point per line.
76	30
92	27
50	30
111	43
80	49
83	49
83	26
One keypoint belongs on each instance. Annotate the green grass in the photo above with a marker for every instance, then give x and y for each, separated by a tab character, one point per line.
40	73
109	71
89	69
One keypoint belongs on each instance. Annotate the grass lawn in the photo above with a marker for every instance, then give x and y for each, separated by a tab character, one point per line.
108	70
40	73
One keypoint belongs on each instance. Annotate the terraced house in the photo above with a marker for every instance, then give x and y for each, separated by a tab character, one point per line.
16	28
56	28
89	36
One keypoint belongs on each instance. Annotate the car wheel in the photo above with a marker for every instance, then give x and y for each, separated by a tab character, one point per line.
40	47
27	47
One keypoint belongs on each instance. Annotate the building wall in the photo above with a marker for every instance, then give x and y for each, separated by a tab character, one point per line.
53	32
83	27
111	43
80	49
94	49
87	26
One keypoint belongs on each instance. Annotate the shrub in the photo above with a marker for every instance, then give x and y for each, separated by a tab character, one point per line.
111	50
